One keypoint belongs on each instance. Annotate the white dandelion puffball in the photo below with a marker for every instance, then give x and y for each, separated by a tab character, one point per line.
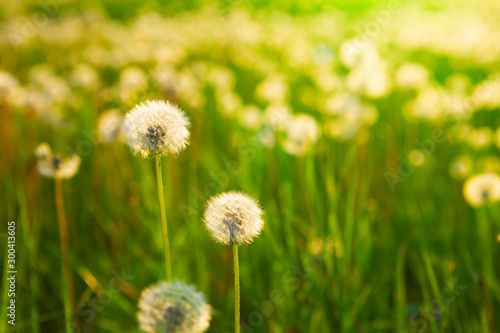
50	165
233	218
156	128
110	126
173	307
482	189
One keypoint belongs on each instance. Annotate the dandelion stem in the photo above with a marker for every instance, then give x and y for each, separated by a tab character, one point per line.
166	248
69	297
236	289
484	232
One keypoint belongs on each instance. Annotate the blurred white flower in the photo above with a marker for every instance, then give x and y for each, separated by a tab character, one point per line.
301	134
173	307
8	86
480	138
110	126
482	189
461	167
416	157
85	76
250	117
50	165
412	76
273	89
277	116
133	80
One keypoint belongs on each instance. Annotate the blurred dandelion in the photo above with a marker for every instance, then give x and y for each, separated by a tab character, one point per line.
8	86
416	157
480	138
53	166
411	76
153	129
173	307
234	218
86	77
302	132
59	168
250	117
482	189
110	126
461	167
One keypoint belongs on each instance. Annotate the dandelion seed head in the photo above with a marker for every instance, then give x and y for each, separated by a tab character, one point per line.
85	76
461	167
110	125
173	307
156	128
50	165
302	132
412	76
480	138
482	189
416	157
233	218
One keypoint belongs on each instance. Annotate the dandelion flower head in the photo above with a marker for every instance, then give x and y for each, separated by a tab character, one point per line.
50	165
233	218
156	128
173	307
482	189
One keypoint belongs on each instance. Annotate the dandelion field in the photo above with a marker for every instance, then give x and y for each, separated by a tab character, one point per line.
368	134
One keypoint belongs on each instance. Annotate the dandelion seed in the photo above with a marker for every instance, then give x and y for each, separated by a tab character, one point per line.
50	165
277	116
250	117
173	307
156	128
233	218
482	189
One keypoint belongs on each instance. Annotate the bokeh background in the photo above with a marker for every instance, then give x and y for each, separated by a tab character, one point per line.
354	123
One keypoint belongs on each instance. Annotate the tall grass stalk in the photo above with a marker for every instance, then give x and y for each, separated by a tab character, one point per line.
236	289
166	247
69	295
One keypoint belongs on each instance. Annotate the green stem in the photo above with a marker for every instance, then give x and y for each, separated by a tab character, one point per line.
487	260
166	247
236	289
69	295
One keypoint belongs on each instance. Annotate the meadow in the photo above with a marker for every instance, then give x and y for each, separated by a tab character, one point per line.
368	133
